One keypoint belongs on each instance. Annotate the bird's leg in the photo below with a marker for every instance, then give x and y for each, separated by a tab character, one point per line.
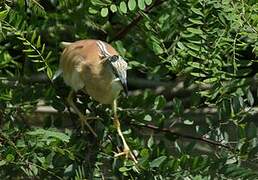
126	150
83	119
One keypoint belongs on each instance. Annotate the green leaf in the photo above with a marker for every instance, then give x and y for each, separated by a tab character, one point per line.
157	48
34	56
38	45
49	134
177	106
147	118
193	53
3	14
196	65
159	102
141	4
150	142
196	21
98	2
34	169
177	147
28	50
123	169
181	45
158	161
48	55
26	43
197	11
92	10
195	30
210	80
145	153
131	5
10	157
148	2
113	8
43	49
104	12
42	68
41	160
250	98
2	162
20	143
193	46
123	7
188	122
198	74
21	38
69	169
33	37
37	61
49	73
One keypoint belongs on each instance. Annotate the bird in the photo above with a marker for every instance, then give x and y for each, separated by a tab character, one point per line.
97	69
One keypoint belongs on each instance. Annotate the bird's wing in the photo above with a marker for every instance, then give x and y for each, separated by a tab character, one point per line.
59	72
73	77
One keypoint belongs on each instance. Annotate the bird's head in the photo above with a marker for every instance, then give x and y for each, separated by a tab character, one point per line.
119	68
117	63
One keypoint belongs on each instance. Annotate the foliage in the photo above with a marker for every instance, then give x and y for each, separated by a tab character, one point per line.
191	116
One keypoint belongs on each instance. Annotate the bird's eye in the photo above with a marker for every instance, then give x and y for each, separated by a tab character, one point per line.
114	58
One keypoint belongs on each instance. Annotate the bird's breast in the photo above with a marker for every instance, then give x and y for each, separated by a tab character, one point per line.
103	91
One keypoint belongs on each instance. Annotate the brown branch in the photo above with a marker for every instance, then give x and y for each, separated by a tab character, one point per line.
167	130
122	33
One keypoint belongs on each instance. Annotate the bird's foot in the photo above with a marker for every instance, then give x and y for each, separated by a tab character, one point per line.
127	153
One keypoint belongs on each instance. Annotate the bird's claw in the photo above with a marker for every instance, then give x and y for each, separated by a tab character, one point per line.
128	154
124	152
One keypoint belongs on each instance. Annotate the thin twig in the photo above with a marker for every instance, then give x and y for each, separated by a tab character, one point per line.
122	33
167	130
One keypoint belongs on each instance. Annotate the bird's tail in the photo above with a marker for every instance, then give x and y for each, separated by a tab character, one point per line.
59	71
65	44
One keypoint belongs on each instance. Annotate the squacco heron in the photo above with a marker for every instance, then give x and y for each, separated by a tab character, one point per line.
97	69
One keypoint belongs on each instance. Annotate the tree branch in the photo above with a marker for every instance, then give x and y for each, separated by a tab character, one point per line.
122	33
167	130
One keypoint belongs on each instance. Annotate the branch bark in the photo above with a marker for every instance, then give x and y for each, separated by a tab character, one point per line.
167	130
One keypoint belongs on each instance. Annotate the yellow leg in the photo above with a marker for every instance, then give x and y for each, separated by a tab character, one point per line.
126	151
83	119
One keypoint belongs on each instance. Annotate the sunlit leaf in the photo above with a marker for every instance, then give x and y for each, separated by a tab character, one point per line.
148	2
141	4
159	102
158	161
113	8
104	12
123	7
131	5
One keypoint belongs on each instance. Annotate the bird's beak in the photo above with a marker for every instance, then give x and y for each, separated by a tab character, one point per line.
119	67
124	85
